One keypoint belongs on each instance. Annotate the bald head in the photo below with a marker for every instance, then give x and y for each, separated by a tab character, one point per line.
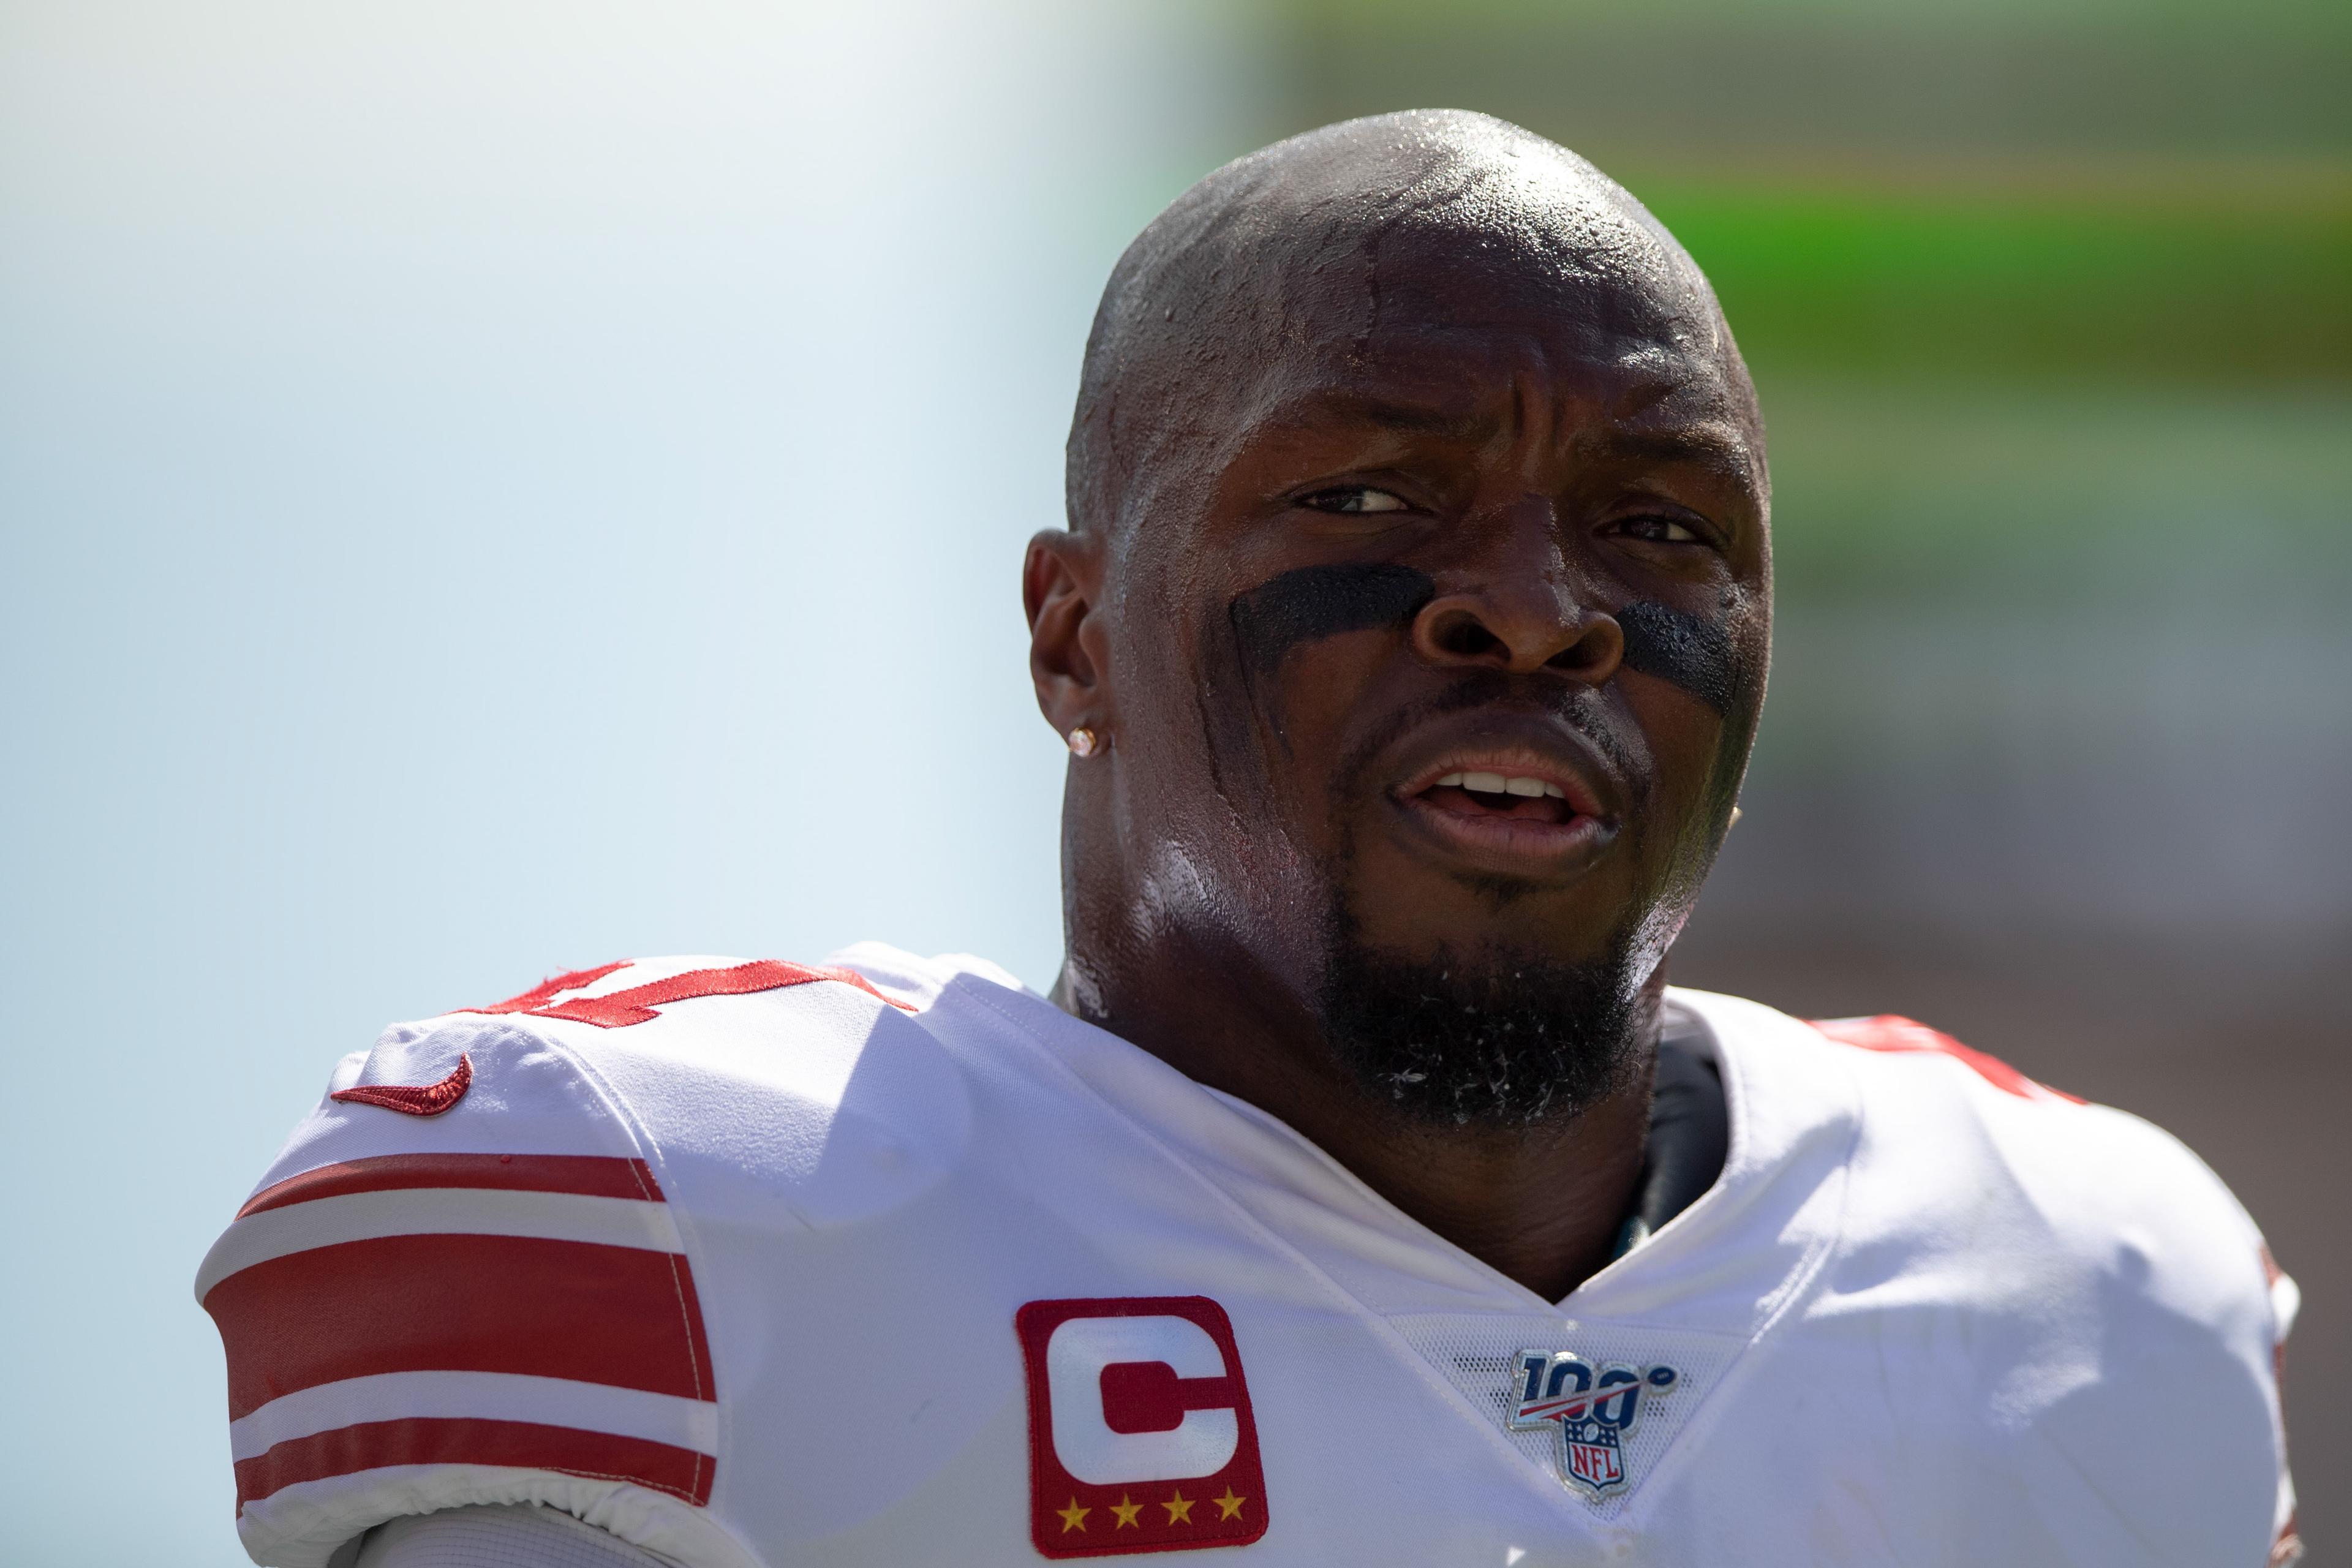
1304	254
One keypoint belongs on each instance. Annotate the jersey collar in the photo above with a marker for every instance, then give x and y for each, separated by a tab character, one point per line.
1727	1264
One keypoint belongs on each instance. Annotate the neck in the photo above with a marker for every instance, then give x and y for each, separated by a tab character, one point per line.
1541	1203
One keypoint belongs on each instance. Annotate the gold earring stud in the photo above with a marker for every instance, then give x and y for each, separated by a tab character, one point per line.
1084	742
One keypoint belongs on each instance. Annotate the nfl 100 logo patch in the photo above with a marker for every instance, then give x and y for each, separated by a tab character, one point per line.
1593	1407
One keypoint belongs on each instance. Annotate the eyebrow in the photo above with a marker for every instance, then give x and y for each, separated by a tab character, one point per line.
1711	446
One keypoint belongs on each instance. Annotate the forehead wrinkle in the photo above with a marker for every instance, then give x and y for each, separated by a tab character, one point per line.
1469	405
1340	404
1720	444
1307	249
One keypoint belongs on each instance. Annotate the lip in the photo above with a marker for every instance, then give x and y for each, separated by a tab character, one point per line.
1516	744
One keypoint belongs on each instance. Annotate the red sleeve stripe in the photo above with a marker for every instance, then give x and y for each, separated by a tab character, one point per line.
526	1305
366	1217
478	1395
519	1445
590	1175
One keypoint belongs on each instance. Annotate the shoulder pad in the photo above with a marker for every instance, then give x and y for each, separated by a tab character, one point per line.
465	1281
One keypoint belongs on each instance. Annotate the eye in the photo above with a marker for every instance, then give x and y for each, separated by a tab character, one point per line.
1353	498
1657	530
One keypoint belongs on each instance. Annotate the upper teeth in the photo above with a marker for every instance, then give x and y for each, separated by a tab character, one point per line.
1496	784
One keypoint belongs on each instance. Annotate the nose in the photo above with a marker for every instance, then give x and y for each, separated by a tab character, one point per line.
1516	610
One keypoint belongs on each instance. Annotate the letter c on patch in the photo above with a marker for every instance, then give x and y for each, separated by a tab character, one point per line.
1078	1351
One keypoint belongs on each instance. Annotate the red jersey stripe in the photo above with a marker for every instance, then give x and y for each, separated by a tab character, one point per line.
591	1175
425	1440
593	1313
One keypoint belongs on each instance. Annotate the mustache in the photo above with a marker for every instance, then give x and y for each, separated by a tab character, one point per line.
1580	708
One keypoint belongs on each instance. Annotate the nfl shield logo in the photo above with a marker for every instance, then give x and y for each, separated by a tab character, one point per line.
1593	1461
1592	1407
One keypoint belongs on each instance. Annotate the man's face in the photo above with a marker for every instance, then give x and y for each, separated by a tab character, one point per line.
1449	642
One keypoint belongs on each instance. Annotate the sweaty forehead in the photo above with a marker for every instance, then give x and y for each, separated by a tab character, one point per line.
1357	249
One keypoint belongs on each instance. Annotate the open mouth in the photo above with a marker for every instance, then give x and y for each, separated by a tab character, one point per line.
1513	810
1514	797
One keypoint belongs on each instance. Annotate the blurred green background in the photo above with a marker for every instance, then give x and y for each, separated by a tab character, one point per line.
2050	307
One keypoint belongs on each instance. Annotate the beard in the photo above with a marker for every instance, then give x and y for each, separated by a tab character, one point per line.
1499	1034
1492	1034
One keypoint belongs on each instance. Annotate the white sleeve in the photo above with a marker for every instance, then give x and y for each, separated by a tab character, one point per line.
508	1535
490	1304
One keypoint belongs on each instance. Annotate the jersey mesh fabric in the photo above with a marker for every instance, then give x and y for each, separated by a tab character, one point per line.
1479	1353
507	1536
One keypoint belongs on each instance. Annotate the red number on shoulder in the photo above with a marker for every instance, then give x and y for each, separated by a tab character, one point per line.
636	1004
1892	1032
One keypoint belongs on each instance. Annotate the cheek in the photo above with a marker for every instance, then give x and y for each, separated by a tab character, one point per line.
1716	663
1303	718
1222	765
1167	779
1299	650
1685	743
1698	757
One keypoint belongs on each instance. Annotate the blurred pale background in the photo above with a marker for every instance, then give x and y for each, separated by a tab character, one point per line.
486	488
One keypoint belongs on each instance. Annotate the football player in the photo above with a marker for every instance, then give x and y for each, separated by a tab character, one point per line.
1362	1193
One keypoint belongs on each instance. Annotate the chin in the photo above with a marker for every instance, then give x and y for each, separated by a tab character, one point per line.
1484	1030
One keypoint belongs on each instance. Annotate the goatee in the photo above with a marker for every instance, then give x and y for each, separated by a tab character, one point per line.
1490	1035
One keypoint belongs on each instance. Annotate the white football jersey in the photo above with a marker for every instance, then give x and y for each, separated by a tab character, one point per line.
895	1263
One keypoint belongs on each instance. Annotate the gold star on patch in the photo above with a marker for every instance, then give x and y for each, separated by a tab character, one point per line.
1229	1506
1073	1517
1180	1508
1126	1511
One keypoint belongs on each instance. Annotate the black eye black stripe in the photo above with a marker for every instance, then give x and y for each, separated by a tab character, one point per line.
1696	655
1311	602
1315	602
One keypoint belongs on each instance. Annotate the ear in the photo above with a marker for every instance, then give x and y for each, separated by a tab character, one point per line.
1060	582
